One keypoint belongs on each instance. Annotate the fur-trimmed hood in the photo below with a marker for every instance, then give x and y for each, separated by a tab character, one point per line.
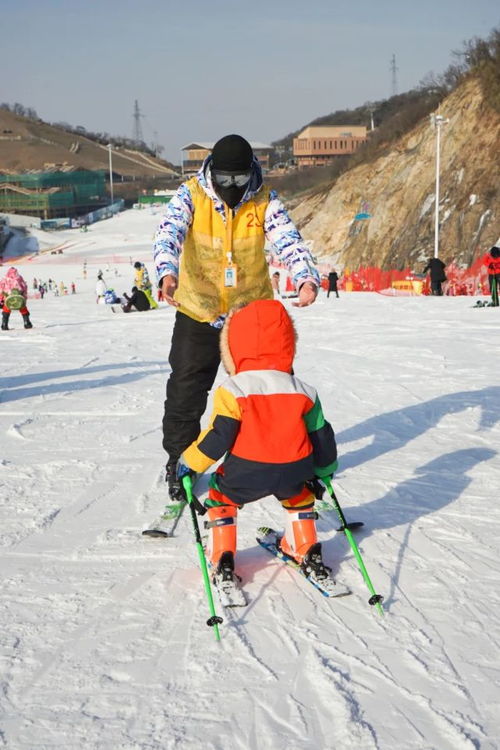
258	336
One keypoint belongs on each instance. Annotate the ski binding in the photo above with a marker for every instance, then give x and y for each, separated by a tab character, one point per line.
270	539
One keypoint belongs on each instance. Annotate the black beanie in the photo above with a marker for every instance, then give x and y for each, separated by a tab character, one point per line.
232	154
495	252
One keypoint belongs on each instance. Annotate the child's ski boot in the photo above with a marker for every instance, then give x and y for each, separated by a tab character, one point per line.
313	566
227	582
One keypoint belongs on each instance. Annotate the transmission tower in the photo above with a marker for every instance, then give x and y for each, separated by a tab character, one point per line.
394	78
137	136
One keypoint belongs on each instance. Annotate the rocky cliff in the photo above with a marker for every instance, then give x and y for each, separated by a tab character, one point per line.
394	195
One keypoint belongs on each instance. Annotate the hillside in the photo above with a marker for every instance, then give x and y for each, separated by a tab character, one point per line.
380	112
397	190
32	144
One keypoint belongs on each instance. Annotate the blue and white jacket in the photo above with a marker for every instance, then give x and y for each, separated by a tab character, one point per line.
280	231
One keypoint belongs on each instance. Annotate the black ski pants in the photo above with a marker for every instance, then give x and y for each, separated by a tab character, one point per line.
194	358
494	281
436	287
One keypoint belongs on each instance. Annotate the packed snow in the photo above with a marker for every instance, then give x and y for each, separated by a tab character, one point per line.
104	642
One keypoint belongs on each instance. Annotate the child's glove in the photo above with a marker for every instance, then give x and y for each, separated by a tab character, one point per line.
315	486
183	469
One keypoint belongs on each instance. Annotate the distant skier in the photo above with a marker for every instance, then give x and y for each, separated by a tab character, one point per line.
492	262
436	268
138	299
100	288
270	427
275	283
13	294
333	278
142	282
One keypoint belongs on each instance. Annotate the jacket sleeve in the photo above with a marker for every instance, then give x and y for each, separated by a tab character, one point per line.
171	233
323	442
220	435
287	241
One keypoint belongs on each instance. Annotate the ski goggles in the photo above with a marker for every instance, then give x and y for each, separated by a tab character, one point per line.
227	179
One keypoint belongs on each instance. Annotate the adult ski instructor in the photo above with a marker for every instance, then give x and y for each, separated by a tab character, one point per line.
209	257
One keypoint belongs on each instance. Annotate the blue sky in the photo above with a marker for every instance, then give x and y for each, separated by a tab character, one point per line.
202	69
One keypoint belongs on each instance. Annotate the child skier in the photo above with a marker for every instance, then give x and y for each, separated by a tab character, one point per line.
13	293
271	427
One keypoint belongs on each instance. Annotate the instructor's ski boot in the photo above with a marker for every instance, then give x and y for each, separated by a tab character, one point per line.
175	489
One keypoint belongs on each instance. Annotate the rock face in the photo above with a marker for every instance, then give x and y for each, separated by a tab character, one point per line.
397	193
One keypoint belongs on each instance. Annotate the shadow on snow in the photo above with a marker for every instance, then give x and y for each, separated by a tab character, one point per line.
394	429
17	393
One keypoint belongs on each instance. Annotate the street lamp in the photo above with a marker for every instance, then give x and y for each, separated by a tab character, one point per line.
436	122
110	173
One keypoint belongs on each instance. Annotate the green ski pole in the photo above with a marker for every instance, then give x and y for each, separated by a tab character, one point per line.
375	599
214	620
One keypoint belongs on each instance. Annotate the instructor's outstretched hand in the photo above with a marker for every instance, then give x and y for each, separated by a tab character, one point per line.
168	287
307	294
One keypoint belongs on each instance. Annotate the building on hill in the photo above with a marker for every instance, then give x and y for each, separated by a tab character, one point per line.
317	146
194	154
53	193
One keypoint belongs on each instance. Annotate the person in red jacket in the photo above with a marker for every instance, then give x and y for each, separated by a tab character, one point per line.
492	262
270	427
13	296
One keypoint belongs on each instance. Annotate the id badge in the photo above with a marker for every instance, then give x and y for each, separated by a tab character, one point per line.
230	276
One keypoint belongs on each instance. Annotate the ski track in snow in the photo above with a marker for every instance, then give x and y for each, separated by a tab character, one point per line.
104	643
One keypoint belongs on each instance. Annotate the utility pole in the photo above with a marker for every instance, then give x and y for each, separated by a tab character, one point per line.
138	136
110	173
394	80
437	121
371	111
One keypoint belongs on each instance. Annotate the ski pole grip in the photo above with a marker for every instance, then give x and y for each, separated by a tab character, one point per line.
188	489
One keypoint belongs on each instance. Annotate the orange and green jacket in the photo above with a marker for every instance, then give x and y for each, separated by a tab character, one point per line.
268	422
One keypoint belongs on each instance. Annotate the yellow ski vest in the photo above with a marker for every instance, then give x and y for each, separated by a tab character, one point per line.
204	258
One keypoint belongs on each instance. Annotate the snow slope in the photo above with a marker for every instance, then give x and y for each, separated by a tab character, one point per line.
103	637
